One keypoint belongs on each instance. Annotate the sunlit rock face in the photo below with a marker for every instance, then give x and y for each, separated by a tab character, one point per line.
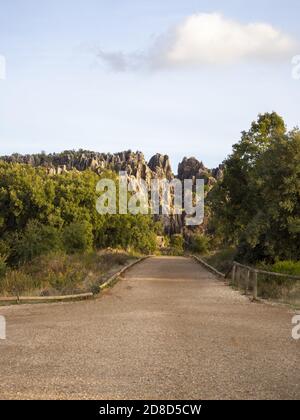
190	168
134	163
160	165
218	173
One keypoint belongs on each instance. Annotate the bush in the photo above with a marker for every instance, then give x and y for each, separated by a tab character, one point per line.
62	201
284	289
222	259
36	240
287	267
4	248
144	242
2	266
16	282
200	244
176	245
78	237
283	267
136	232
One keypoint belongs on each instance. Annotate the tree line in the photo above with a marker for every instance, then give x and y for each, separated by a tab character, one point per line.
41	213
256	206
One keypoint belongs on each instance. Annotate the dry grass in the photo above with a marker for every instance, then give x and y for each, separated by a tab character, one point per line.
222	259
62	274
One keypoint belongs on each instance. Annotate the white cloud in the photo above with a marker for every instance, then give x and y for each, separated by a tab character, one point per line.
120	61
208	39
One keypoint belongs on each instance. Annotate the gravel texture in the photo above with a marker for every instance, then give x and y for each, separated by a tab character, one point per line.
168	330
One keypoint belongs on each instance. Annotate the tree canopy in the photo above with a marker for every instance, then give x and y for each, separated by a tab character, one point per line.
256	206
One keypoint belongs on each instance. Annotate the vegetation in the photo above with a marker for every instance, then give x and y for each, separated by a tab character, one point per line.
2	266
283	267
62	274
50	220
50	229
78	237
256	206
284	289
41	213
16	282
176	245
199	244
222	259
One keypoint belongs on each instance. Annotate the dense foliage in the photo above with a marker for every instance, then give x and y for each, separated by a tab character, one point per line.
40	214
257	204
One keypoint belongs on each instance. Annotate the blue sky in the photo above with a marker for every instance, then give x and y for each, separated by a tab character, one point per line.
143	75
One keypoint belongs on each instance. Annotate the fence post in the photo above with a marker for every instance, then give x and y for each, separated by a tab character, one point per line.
254	284
248	281
238	277
233	273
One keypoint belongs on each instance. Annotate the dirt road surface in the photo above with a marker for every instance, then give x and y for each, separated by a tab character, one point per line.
168	330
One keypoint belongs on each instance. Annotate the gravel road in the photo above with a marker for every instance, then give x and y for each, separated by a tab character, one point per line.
168	330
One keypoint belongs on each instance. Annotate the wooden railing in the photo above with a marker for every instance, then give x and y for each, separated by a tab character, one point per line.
246	277
257	283
251	276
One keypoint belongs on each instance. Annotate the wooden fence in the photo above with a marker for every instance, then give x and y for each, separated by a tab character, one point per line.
257	283
265	284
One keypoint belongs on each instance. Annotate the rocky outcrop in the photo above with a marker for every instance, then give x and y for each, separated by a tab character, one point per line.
191	168
133	163
218	173
160	165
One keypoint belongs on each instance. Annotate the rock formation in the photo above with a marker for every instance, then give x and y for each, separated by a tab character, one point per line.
161	166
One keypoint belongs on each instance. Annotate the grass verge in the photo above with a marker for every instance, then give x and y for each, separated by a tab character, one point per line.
221	260
59	274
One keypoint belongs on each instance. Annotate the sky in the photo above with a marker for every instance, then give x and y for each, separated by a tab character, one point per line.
182	78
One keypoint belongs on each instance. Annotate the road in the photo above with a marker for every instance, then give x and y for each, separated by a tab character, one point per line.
168	330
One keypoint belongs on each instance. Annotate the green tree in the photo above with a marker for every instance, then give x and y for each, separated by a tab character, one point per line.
78	237
36	239
256	205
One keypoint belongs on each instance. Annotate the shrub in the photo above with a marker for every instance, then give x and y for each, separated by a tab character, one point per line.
144	242
287	267
222	259
4	248
2	266
283	267
176	245
284	289
78	237
200	244
57	273
36	240
136	232
16	282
